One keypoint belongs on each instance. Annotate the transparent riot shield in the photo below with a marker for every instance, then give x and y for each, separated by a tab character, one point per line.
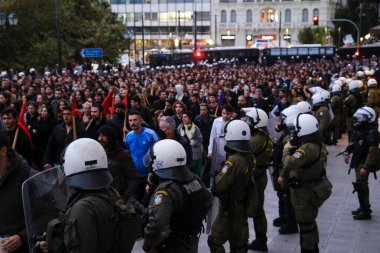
218	157
43	197
272	123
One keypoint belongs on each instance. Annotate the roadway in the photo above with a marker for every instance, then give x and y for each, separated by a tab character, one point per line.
338	231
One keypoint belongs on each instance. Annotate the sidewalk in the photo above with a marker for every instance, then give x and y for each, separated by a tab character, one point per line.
338	231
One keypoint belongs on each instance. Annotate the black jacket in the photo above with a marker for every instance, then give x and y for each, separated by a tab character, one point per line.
58	141
23	145
11	209
204	124
123	170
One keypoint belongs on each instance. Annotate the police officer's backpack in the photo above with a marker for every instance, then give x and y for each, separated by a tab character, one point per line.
129	224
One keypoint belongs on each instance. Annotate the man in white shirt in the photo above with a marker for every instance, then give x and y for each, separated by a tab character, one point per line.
218	125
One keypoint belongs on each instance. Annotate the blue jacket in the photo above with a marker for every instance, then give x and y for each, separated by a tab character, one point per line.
138	145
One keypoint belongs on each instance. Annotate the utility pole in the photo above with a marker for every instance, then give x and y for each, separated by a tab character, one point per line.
142	39
58	28
279	32
195	30
134	29
179	36
215	27
360	20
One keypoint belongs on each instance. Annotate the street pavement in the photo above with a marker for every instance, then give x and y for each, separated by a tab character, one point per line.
337	230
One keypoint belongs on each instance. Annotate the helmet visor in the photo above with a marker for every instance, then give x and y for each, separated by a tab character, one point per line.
147	159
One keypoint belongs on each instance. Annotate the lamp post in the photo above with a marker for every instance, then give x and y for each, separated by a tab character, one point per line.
57	4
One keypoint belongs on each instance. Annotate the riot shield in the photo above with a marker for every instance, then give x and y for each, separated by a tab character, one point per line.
43	197
218	157
272	123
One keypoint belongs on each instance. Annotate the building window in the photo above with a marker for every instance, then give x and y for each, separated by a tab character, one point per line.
203	15
233	16
269	16
288	14
223	17
249	16
316	12
248	1
305	15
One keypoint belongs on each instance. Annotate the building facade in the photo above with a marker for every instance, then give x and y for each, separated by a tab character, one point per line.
157	25
242	22
165	24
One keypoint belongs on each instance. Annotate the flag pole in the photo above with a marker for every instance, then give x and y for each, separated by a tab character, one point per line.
15	138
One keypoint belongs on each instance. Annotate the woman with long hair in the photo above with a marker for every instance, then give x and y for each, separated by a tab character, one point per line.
191	132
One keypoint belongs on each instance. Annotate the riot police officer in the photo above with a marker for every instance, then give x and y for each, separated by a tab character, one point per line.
305	171
286	220
364	147
262	147
373	96
337	108
353	102
322	115
179	204
89	222
231	186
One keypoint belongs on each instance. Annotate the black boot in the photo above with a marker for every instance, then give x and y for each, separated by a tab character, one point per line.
287	230
278	222
363	215
356	212
259	244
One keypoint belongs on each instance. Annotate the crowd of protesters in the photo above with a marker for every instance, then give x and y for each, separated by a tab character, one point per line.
192	96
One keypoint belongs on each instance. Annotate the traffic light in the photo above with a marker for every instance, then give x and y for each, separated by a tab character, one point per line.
198	55
316	20
357	53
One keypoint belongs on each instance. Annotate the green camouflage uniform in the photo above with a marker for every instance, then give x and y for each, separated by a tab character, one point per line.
88	225
306	167
231	187
323	117
337	107
262	147
172	226
350	107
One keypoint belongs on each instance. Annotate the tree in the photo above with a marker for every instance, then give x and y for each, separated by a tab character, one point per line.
351	11
309	35
32	43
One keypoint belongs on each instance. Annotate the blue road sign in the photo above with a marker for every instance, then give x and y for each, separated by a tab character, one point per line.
91	52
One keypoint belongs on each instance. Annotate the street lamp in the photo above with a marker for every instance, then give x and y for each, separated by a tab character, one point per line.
10	20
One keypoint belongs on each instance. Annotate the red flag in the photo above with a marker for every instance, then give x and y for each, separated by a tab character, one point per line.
21	123
76	112
112	108
125	101
107	101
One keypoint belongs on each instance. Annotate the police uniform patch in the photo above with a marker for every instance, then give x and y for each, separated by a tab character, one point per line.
298	154
226	167
157	199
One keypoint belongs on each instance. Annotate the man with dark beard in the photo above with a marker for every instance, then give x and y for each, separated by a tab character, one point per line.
120	163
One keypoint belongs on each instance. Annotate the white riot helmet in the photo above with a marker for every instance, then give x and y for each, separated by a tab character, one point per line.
338	82
352	85
359	74
367	72
372	83
237	135
304	107
305	124
317	99
258	117
364	115
325	94
168	158
315	89
336	88
85	165
343	79
289	114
